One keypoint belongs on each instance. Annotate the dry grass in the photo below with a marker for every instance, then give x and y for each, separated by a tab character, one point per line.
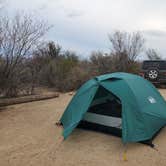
29	137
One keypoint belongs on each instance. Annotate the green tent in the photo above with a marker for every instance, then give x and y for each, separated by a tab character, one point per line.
143	108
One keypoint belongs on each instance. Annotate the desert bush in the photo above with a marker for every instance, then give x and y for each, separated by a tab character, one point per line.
64	71
25	62
53	65
78	75
101	63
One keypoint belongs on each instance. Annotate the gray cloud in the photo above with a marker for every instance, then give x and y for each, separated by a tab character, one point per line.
74	13
155	33
42	7
83	25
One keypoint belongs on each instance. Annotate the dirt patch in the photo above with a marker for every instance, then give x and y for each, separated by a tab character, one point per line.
29	137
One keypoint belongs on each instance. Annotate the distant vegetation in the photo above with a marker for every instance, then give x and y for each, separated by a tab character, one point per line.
26	62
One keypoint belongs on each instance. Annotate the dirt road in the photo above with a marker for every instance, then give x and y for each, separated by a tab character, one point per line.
28	137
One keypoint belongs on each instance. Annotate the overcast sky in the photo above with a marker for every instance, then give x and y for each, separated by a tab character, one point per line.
84	25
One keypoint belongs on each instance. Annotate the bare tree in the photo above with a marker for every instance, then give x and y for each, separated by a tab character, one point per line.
130	44
152	54
48	50
18	38
125	48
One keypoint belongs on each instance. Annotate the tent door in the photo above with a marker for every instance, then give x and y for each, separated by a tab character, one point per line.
104	117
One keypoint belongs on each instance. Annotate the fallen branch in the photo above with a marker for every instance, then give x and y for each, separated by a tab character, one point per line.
26	99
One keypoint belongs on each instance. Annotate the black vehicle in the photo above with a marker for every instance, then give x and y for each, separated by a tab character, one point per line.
154	71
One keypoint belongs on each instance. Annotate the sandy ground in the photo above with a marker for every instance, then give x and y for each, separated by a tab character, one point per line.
29	137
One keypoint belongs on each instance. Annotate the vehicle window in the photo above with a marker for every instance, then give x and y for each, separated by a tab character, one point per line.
161	65
147	65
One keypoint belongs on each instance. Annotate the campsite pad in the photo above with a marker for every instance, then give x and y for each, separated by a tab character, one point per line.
28	137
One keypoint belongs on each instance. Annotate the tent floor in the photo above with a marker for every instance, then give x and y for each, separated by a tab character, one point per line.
112	131
84	125
101	128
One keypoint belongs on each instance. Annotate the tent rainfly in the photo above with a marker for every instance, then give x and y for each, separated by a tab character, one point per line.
121	104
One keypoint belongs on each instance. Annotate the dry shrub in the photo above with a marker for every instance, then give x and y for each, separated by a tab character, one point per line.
50	66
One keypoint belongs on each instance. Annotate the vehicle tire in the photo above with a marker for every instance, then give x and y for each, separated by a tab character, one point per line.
153	74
